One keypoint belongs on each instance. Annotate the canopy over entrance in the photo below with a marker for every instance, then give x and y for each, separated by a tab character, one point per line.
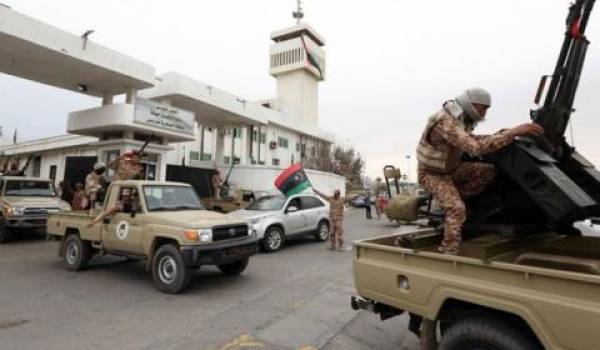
36	51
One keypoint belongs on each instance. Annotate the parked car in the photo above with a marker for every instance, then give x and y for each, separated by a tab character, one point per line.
277	218
360	201
25	203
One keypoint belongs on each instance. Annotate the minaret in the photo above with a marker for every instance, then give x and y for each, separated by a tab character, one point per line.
298	64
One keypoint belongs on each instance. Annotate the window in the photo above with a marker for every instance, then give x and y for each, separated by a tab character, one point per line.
194	155
52	175
237	133
282	142
313	151
226	159
206	156
275	162
298	146
311	202
263	137
295	202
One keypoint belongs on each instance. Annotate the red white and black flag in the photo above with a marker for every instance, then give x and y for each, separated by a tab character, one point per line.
312	60
293	180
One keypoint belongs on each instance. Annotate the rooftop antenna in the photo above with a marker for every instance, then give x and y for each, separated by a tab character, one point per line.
299	13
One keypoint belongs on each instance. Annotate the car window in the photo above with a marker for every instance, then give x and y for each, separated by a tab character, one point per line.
311	202
295	202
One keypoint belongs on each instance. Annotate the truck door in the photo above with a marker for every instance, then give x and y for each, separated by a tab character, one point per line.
121	231
296	221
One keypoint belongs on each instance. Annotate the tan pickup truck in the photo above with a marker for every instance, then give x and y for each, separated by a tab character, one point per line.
163	223
539	291
25	203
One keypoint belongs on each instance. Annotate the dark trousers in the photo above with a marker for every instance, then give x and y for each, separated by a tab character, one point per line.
368	211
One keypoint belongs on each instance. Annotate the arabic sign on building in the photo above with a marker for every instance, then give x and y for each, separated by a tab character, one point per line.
163	116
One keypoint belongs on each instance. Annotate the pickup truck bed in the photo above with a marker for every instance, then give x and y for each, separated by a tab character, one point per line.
548	281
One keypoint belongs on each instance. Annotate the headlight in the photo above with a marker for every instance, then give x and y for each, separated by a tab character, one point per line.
205	235
19	210
10	210
256	221
198	235
65	207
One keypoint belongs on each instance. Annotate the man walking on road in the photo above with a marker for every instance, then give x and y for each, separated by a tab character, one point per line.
336	216
442	172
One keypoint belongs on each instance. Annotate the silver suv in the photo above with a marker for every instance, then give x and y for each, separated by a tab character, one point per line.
277	218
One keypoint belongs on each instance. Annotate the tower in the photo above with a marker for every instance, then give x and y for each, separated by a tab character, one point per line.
297	61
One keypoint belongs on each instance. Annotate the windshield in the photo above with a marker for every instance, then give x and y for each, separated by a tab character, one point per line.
29	188
267	203
170	198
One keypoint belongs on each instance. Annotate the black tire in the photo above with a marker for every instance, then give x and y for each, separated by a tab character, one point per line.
76	253
273	239
322	233
170	273
476	333
5	232
235	268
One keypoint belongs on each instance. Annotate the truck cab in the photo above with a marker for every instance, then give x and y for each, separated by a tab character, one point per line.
25	204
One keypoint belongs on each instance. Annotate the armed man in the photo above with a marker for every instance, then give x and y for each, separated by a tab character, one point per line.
127	166
93	184
442	171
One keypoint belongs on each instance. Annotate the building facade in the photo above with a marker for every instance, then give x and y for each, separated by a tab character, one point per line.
182	121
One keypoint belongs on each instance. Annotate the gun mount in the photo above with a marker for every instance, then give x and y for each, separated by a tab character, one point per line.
544	183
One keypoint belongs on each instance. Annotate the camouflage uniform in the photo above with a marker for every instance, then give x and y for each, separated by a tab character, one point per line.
336	215
93	183
216	185
441	171
127	166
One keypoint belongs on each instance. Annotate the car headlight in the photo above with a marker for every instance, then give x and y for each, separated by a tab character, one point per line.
205	235
256	221
65	207
10	210
19	210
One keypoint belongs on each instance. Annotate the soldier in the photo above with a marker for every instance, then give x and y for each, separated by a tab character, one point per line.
93	184
14	170
336	216
128	203
217	184
377	194
127	166
446	138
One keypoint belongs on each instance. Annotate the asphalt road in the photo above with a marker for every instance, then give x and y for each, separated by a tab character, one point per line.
295	299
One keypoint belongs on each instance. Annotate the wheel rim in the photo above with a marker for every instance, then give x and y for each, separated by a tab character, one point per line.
274	240
167	270
323	231
72	253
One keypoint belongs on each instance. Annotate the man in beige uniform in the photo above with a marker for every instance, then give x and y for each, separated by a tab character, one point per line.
93	184
442	171
336	216
217	183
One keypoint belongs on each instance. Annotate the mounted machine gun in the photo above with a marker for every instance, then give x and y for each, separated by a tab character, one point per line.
543	183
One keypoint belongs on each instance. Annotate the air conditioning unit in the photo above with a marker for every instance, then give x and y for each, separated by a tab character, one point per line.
273	145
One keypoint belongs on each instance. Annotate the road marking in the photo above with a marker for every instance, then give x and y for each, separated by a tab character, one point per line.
241	342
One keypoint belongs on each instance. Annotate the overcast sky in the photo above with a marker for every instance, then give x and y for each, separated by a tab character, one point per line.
391	63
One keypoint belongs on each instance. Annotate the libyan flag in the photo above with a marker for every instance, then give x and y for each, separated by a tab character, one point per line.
292	180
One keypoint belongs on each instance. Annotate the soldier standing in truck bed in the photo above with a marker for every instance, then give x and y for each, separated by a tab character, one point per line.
127	166
447	137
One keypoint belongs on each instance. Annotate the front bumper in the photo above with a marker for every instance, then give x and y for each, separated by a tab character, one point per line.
26	221
219	253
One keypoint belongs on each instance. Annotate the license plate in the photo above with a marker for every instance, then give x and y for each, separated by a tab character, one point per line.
236	251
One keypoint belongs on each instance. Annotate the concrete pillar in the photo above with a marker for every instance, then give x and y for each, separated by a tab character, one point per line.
245	155
107	99
219	145
130	96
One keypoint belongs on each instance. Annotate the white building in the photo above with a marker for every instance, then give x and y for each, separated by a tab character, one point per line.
186	120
